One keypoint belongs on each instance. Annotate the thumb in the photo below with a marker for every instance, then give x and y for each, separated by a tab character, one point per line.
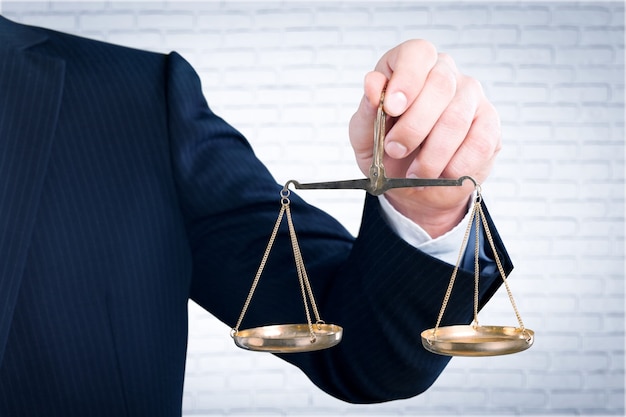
361	127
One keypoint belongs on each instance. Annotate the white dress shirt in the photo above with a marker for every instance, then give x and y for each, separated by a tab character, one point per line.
445	247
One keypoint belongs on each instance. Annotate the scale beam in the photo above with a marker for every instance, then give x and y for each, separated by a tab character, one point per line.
375	187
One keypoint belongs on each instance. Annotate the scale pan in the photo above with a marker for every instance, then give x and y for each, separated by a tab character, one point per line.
288	338
471	340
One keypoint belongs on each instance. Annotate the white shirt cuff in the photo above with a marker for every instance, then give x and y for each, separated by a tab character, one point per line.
445	248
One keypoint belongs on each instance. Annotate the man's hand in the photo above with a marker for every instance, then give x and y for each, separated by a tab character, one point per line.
440	125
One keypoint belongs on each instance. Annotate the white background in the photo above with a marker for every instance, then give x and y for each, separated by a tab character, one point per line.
289	74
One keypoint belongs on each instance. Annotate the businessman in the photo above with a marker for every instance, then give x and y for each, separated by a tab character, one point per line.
122	196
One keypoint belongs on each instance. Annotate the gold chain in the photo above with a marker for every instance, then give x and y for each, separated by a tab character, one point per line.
305	285
501	268
477	217
446	298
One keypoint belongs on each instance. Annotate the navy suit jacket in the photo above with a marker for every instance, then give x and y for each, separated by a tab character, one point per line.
122	196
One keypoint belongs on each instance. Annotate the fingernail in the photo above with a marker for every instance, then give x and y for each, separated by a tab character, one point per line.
395	150
395	103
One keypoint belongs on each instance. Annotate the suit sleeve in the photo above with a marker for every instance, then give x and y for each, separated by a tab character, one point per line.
382	291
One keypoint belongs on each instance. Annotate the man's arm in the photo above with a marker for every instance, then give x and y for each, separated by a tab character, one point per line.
380	289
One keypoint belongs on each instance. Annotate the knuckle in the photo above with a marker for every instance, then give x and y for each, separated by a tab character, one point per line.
444	80
484	146
426	50
472	84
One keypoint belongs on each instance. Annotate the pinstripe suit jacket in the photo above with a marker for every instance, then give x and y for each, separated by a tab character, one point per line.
122	196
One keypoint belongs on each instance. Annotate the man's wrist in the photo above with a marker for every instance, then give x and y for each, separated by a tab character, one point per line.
445	247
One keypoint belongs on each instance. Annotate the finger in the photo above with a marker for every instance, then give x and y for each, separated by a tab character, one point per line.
406	67
419	119
480	147
449	131
361	124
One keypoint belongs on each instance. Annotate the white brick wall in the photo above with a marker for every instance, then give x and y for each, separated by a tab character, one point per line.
288	74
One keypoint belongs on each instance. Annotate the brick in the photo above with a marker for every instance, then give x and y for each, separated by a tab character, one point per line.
579	361
304	36
590	246
593	189
245	37
538	54
602	265
574	285
553	36
571	380
559	303
601	112
602	36
219	400
63	6
531	170
615	401
589	55
598	170
581	16
460	15
380	37
550	227
602	227
617	17
505	34
287	56
400	16
573	322
494	72
576	398
527	15
470	397
610	342
342	56
265	17
513	379
579	131
558	112
165	20
534	131
357	15
599	72
581	92
308	74
531	71
224	20
106	21
255	379
280	398
535	92
232	57
608	304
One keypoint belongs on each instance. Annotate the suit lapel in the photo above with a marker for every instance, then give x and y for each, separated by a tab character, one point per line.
31	86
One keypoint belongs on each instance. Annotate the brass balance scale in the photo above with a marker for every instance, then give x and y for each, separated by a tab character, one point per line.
457	340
